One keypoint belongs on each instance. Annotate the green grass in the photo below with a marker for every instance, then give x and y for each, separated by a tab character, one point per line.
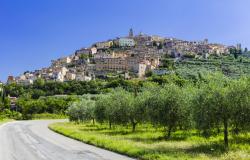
148	143
2	121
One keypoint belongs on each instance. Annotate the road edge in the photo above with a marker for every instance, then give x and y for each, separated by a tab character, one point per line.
74	138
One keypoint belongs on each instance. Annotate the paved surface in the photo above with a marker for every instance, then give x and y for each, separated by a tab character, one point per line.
32	140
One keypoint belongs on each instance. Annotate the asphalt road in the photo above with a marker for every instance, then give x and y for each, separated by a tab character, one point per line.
32	140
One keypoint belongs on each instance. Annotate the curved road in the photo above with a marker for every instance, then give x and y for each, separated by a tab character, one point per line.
32	140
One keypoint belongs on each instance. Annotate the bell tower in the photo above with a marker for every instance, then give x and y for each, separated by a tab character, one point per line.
131	33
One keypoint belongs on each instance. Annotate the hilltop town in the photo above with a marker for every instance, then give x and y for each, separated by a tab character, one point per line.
129	57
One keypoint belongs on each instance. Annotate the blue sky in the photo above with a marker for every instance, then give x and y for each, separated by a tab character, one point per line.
33	32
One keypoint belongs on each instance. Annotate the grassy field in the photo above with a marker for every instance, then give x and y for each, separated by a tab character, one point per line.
2	121
148	143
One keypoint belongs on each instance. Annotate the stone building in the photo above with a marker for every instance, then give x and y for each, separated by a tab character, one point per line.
126	42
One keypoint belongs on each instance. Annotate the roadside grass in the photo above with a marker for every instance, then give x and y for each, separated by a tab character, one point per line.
45	116
148	143
2	121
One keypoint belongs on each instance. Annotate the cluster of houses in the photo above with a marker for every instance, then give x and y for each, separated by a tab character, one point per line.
130	56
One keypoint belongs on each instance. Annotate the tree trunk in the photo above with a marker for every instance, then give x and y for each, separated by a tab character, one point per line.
135	91
218	130
93	120
133	126
110	124
169	132
225	132
236	129
181	127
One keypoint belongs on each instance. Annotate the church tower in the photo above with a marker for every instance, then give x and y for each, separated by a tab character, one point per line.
131	33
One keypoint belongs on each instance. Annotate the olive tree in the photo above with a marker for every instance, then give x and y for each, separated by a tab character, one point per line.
223	103
122	102
138	112
82	110
239	96
166	107
110	108
121	107
210	109
102	102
